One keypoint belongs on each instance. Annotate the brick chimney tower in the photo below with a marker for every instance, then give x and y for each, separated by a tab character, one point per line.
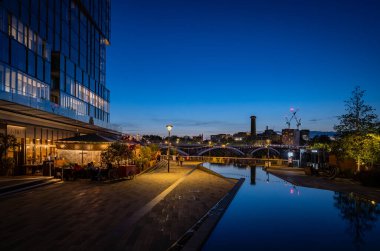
253	126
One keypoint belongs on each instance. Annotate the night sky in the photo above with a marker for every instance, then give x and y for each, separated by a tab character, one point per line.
206	66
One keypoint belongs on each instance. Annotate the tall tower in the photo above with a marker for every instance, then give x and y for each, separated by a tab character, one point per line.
253	126
53	65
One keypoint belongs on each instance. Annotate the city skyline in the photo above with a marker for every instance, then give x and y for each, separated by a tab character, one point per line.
207	66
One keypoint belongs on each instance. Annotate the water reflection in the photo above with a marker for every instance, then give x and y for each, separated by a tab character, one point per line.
271	213
294	190
360	214
253	175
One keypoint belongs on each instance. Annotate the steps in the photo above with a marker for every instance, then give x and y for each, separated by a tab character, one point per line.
25	184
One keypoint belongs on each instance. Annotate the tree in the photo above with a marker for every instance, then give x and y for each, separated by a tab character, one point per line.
155	149
355	129
360	117
7	142
372	145
116	152
322	142
146	154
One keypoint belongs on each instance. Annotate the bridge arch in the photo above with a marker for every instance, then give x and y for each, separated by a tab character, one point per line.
264	148
181	152
233	149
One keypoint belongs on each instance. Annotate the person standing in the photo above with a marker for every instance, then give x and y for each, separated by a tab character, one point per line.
177	159
180	160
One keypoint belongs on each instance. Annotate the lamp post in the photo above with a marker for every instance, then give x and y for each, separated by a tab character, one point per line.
209	152
169	128
268	144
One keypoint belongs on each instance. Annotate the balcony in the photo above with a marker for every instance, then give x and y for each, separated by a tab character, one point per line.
31	105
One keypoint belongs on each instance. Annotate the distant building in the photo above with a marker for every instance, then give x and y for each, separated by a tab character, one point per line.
218	138
304	136
186	139
270	134
240	136
291	137
198	138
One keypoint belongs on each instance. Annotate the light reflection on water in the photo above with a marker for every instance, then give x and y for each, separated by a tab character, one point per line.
269	213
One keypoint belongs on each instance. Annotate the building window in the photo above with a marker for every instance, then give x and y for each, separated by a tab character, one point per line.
2	74
3	21
18	31
4	48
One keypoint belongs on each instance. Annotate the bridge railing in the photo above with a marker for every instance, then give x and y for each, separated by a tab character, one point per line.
232	160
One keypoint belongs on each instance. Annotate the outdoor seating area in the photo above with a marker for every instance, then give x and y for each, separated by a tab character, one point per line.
75	172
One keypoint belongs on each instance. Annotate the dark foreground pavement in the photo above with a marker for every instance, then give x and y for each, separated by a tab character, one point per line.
148	213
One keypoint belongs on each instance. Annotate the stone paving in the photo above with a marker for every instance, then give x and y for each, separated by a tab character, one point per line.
84	215
340	185
6	181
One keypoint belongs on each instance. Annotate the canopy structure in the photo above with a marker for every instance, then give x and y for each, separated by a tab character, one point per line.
83	149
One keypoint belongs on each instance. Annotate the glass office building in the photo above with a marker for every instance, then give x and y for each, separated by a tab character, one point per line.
53	71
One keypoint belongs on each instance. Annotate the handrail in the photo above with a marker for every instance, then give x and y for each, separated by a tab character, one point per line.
50	107
227	160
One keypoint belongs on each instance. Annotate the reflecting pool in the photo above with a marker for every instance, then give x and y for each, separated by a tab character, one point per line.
269	213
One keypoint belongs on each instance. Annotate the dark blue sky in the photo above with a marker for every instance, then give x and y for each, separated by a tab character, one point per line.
207	65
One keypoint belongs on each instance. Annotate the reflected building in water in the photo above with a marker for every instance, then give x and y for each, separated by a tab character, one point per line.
253	175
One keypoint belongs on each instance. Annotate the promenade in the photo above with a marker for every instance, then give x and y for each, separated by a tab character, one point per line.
148	213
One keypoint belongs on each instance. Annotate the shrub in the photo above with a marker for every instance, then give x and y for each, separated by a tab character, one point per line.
369	178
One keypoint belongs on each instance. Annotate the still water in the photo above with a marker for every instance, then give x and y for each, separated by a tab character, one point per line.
269	213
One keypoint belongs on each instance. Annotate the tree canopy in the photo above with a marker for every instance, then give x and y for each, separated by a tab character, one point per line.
360	118
7	142
116	152
358	131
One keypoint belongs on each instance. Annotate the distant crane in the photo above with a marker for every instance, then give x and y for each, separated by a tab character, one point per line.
298	122
288	122
294	116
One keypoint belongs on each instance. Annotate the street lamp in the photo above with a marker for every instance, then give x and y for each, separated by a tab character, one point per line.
209	151
268	144
169	128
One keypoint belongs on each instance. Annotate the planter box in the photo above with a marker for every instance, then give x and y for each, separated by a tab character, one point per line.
308	170
125	171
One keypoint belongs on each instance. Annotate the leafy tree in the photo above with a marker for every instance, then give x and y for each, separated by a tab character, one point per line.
146	154
143	156
7	142
360	117
155	149
355	129
116	152
372	145
321	142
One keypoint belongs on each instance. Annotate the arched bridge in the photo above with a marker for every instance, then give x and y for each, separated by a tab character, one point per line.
227	150
173	150
271	149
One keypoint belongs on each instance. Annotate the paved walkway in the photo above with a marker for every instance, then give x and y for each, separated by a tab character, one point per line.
148	213
6	181
299	178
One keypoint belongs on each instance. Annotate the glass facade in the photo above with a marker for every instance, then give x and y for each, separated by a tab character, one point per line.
55	50
37	144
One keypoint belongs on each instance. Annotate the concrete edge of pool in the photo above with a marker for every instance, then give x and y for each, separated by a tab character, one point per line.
197	235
